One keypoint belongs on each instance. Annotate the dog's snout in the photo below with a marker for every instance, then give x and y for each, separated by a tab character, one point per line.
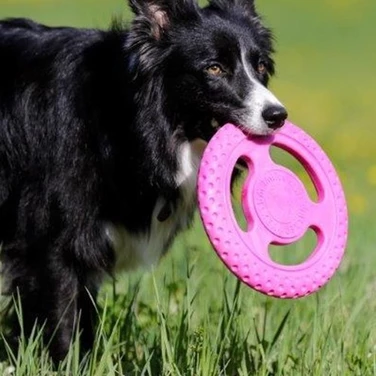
274	116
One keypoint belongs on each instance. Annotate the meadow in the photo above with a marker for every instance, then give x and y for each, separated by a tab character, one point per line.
190	316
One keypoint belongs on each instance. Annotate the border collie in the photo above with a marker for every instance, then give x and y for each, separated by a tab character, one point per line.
101	134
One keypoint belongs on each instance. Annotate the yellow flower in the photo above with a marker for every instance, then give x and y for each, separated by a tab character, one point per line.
371	175
357	204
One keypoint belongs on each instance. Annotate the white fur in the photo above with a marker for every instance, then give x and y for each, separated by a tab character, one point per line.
257	101
132	250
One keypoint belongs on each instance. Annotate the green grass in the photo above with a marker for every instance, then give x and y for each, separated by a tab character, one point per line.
190	316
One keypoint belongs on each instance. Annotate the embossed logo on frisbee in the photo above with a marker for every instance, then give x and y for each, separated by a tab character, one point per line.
277	196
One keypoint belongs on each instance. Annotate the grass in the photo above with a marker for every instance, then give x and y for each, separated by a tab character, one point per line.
190	316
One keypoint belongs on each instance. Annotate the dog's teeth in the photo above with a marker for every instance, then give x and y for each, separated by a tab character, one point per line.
215	124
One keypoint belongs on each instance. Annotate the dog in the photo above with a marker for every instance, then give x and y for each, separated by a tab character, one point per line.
101	135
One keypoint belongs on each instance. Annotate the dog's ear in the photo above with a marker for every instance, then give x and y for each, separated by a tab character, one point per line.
154	12
161	14
246	6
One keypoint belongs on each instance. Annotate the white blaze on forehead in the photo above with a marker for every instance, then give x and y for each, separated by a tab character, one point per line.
258	99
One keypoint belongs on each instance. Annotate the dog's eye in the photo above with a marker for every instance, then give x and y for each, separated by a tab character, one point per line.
215	70
261	67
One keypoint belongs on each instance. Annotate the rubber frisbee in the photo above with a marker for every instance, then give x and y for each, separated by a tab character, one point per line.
277	208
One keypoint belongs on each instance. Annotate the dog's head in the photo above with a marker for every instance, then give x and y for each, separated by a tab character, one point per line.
215	63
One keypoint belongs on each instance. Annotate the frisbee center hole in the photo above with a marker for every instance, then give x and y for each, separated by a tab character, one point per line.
239	177
296	253
285	159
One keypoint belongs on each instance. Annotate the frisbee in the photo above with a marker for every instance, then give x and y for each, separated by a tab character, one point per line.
277	208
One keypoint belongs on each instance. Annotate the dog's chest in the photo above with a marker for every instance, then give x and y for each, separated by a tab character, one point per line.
145	249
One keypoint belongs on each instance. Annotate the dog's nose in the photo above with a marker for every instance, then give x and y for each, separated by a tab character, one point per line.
275	116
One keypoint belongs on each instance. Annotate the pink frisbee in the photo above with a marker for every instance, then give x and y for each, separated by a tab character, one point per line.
277	208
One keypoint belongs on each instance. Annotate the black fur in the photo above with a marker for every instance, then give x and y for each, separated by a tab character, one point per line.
91	123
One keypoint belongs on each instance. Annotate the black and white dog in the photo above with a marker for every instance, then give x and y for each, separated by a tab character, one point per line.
101	134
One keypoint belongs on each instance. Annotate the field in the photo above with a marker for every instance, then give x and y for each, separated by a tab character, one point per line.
190	316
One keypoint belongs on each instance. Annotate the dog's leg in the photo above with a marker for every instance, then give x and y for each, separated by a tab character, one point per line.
57	297
62	310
